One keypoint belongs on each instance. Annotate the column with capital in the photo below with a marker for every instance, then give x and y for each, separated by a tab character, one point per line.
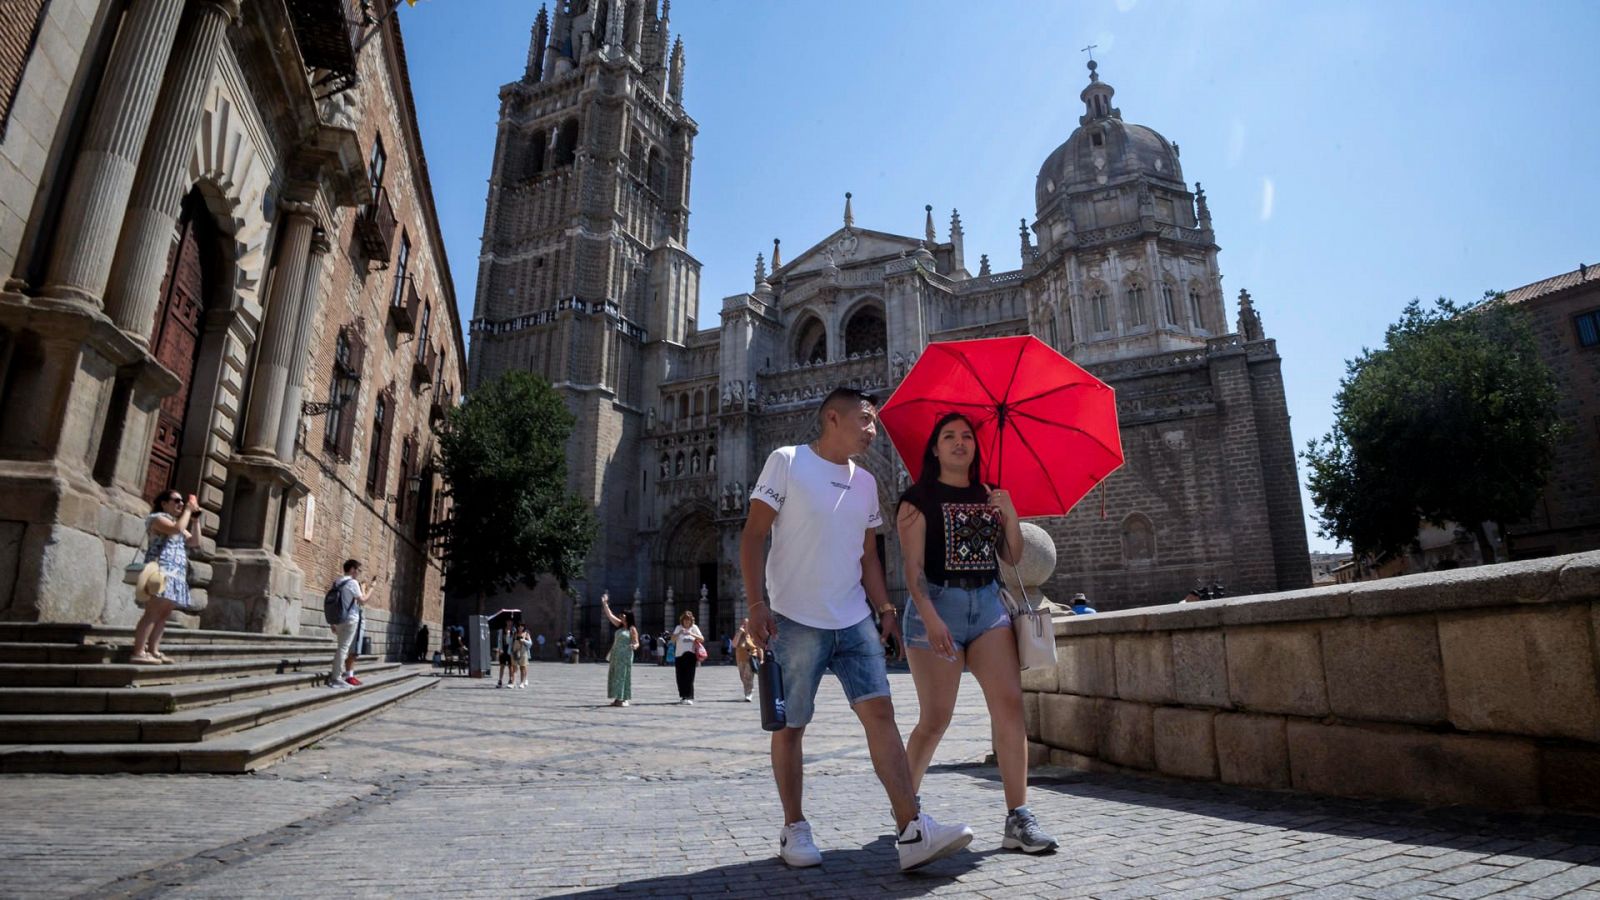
270	381
704	615
300	353
133	293
102	177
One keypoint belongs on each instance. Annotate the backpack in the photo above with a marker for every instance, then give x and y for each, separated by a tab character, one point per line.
333	605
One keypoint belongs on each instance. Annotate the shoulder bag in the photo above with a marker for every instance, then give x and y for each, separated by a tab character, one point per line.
1034	628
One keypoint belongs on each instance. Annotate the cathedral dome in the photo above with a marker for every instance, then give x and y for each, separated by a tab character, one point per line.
1104	150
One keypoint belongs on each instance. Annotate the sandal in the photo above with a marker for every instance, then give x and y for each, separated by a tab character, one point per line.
139	659
162	658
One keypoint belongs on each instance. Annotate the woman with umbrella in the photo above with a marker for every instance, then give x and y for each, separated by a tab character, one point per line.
954	531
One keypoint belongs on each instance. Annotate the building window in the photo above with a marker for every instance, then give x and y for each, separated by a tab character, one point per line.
1196	320
422	333
403	505
537	146
1588	326
1136	310
711	459
376	164
567	143
1170	303
375	460
398	297
343	384
1102	315
866	333
666	465
812	346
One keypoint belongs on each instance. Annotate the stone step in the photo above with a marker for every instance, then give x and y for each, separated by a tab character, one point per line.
203	723
62	653
111	675
80	633
163	698
242	751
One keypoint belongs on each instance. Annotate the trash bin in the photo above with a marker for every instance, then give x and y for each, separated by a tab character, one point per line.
366	646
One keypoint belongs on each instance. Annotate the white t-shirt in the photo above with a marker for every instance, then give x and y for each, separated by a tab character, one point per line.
824	512
686	637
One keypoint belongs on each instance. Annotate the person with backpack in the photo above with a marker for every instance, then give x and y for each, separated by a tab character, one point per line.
341	607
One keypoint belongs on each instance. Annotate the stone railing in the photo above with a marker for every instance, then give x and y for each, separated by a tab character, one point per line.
1474	686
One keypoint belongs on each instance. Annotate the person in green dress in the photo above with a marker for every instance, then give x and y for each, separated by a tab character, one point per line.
619	682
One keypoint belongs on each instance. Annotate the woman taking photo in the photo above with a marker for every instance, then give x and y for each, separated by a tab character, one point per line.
169	535
954	533
686	642
619	681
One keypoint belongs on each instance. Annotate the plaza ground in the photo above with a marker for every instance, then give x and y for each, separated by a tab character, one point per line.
472	790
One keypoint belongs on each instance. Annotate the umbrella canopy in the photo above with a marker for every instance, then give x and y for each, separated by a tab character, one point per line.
1046	428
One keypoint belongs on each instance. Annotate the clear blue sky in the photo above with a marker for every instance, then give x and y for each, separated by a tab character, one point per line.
1356	155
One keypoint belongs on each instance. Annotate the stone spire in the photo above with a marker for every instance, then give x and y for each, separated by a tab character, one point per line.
635	27
558	56
957	241
675	80
927	227
983	266
613	37
1203	212
849	217
761	269
1249	320
536	46
1027	243
777	261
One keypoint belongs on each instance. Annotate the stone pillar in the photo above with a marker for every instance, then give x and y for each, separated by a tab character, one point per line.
669	615
703	617
306	316
142	248
270	380
102	177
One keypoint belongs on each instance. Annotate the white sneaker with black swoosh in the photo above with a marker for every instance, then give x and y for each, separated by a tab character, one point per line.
925	840
796	847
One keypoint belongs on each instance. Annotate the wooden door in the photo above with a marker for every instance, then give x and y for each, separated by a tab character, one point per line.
175	340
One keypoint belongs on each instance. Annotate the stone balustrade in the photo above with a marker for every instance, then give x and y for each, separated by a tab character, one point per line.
1474	686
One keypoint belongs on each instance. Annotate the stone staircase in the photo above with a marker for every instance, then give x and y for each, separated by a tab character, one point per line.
233	702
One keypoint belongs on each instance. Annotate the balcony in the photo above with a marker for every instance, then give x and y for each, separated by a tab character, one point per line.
329	34
404	315
439	404
423	364
375	225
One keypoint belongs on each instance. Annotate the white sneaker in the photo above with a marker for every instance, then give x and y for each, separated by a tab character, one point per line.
925	840
747	698
337	685
688	702
796	847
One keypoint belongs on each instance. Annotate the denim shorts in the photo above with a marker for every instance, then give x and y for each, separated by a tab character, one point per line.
852	654
967	613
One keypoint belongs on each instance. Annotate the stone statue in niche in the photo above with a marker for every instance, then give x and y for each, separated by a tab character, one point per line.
738	393
727	398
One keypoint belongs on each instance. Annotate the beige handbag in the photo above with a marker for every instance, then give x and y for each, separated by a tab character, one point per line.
1034	628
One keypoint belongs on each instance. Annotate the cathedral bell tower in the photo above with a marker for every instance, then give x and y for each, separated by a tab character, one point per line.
583	271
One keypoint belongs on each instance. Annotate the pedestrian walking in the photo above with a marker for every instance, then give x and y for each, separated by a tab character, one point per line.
954	532
619	681
521	646
823	515
672	649
746	656
661	649
171	529
689	646
541	645
727	650
341	609
503	642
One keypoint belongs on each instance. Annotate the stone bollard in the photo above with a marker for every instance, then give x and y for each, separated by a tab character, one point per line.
1036	566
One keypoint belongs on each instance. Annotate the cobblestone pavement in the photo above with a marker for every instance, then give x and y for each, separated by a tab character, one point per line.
469	790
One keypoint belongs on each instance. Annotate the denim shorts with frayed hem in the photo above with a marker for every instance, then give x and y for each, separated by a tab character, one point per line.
852	654
968	614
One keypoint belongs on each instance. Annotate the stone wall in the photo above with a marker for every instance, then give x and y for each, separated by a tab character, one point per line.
1474	686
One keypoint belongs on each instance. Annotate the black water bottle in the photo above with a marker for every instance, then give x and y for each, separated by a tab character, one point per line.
770	674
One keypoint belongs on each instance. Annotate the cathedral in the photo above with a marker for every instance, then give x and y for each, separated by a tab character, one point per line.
586	278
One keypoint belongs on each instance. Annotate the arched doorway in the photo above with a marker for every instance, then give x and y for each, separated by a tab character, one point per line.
687	562
192	275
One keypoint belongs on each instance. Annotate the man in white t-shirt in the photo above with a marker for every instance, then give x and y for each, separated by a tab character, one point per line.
823	513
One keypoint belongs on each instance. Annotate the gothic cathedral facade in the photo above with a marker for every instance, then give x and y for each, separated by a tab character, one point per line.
585	278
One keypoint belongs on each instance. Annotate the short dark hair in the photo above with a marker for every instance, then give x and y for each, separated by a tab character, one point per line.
163	497
351	564
842	398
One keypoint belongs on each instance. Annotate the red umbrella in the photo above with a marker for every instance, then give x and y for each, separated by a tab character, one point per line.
1047	429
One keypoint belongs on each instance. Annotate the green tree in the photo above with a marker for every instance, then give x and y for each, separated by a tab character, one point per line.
504	455
1452	420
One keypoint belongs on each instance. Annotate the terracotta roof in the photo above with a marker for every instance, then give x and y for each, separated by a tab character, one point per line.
1553	284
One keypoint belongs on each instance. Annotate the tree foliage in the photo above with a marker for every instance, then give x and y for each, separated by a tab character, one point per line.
504	454
1452	420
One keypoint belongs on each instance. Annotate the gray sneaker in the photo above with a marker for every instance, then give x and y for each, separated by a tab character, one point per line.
1023	833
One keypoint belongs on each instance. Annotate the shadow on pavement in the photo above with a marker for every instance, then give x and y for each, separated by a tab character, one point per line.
873	870
1561	837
